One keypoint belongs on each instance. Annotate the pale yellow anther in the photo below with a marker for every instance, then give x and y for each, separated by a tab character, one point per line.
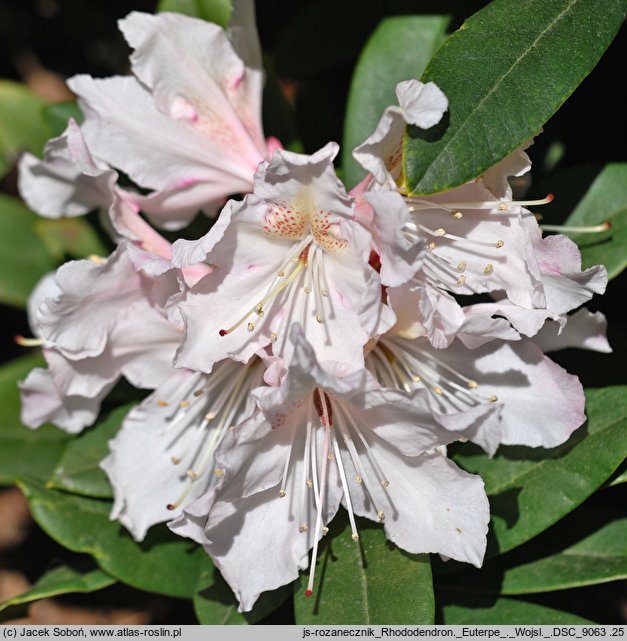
494	398
309	483
282	493
385	482
324	292
184	404
473	384
437	390
307	290
457	214
331	457
440	232
355	537
503	207
431	246
416	378
358	478
210	416
380	516
303	527
319	318
488	269
273	337
281	274
461	266
250	327
218	471
175	460
325	531
191	474
499	244
199	392
162	403
259	311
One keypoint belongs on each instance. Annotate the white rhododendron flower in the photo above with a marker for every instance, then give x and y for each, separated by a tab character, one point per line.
322	439
290	252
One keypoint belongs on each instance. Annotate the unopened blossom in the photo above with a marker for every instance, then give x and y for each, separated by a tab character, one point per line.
188	123
290	252
321	439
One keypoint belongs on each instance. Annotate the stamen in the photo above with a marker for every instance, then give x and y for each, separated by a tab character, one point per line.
592	229
29	342
301	263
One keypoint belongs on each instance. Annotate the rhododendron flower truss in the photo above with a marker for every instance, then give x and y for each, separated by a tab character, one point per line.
290	252
322	439
162	458
188	125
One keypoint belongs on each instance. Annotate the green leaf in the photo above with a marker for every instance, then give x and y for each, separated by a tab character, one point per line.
486	611
24	452
163	563
215	604
218	11
605	201
73	237
371	581
79	470
22	127
505	72
399	49
56	116
530	489
24	258
62	580
599	558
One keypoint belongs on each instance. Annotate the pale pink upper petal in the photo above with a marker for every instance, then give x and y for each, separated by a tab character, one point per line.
583	330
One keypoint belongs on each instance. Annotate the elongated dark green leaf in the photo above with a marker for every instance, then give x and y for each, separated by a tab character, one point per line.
22	127
371	581
507	612
399	49
24	452
218	11
72	237
215	604
62	580
605	201
79	470
24	258
162	563
599	558
505	72
56	116
530	489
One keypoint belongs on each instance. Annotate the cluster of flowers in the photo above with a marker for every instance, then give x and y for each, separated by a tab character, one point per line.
309	350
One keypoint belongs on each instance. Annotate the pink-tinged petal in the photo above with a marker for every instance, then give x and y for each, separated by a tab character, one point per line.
515	165
423	309
565	285
480	328
479	250
400	257
42	403
583	329
526	321
196	76
429	505
67	182
124	128
423	105
46	288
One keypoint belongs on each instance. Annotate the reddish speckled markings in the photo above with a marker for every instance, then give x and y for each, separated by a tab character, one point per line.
295	222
